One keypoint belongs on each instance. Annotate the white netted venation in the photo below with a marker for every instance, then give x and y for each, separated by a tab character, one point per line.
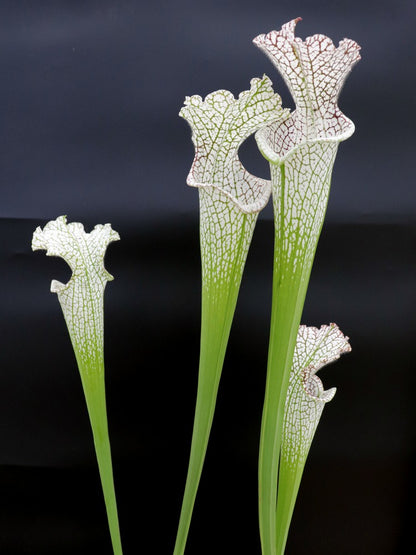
81	298
230	197
315	71
302	148
300	203
220	124
306	397
226	234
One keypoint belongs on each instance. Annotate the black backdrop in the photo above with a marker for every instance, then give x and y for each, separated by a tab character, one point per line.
89	96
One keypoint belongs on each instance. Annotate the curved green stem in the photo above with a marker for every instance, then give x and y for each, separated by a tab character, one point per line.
92	375
215	330
219	298
96	404
230	199
294	250
289	482
287	305
82	303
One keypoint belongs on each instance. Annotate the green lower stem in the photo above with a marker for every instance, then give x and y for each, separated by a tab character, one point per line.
219	298
215	331
286	504
202	428
95	396
287	308
295	246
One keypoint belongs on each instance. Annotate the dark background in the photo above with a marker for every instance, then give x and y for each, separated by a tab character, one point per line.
89	96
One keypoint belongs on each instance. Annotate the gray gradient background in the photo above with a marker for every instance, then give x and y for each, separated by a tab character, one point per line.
91	90
89	97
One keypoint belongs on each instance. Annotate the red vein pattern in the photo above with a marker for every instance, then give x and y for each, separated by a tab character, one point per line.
315	71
